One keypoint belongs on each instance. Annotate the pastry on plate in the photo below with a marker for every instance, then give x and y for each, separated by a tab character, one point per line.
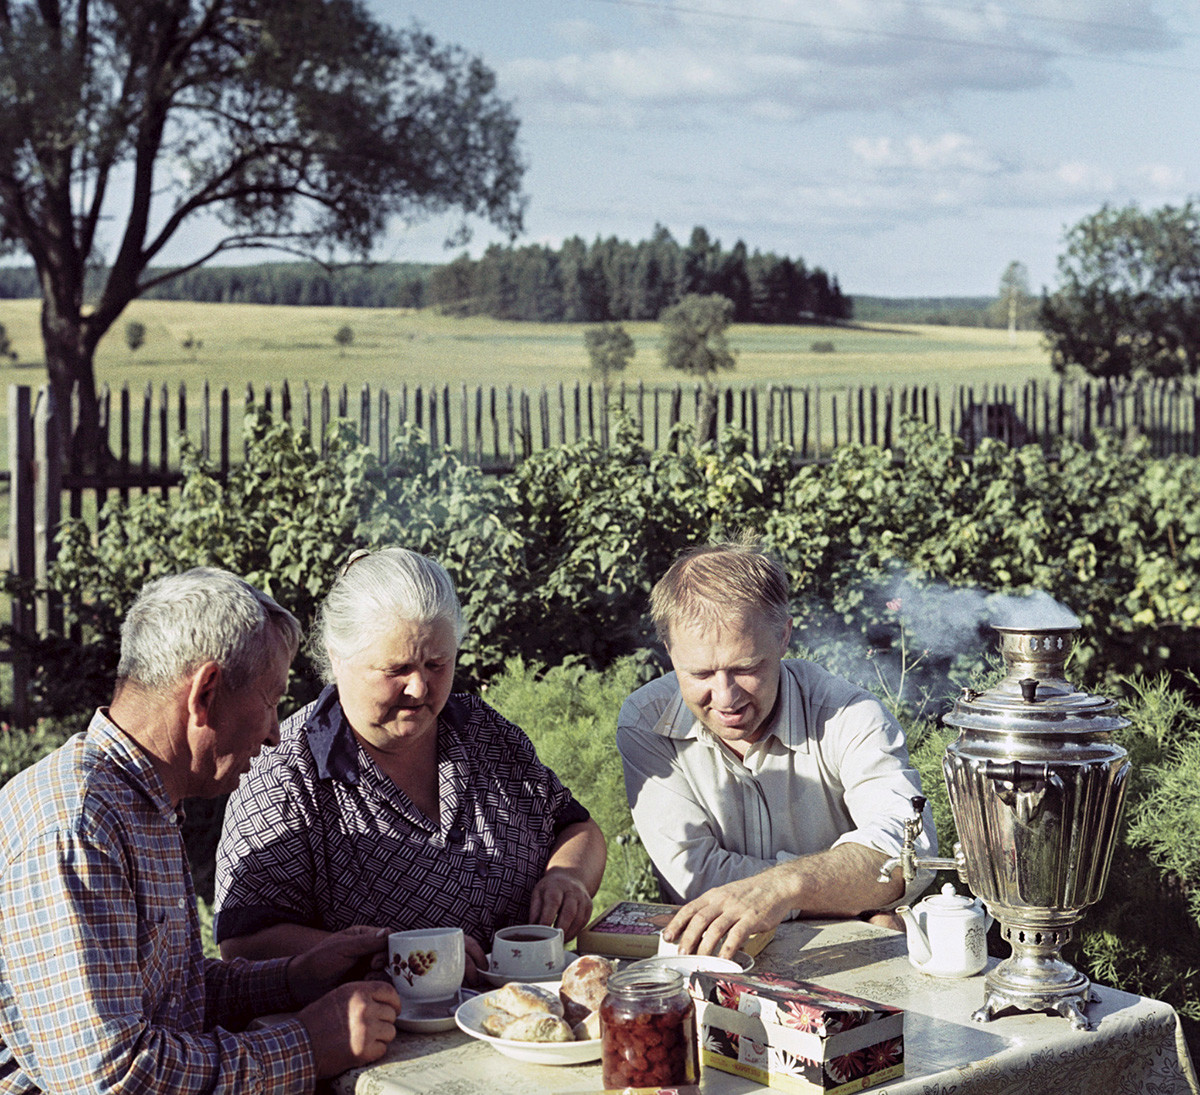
518	999
495	1023
587	1029
538	1027
584	983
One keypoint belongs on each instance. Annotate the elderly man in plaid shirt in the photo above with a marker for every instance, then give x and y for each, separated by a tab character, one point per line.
103	982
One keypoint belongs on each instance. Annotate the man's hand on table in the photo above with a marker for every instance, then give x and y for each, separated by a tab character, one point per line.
561	898
843	881
329	962
736	911
351	1026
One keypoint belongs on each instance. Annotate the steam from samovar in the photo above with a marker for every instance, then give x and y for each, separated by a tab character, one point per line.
1036	785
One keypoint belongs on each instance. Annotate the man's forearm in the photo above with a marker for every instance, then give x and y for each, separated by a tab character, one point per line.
842	881
277	941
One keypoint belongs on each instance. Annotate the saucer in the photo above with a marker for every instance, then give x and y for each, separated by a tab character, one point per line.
431	1018
502	979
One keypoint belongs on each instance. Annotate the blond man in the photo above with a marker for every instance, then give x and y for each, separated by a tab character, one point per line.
763	788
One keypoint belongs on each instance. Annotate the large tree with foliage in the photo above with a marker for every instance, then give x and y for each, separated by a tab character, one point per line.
1128	300
300	125
610	349
694	342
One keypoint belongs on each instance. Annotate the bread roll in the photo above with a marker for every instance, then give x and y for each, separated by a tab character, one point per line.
584	983
587	1029
538	1027
495	1023
519	1000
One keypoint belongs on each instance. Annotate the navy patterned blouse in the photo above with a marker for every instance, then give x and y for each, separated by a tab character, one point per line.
317	835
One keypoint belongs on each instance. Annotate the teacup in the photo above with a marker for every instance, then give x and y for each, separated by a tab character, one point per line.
527	950
427	964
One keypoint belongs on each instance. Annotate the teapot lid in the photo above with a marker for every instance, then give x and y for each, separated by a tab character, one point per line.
950	901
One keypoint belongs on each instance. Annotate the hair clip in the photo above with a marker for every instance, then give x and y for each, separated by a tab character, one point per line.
360	553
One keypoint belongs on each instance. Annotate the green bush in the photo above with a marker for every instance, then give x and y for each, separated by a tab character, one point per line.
570	714
554	564
20	748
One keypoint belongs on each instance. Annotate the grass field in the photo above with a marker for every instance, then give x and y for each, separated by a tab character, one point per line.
238	343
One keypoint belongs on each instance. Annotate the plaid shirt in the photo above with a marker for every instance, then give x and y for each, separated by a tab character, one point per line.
103	982
316	834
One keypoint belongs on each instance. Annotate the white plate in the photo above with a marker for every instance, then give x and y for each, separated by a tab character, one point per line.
687	964
471	1014
744	961
501	979
432	1018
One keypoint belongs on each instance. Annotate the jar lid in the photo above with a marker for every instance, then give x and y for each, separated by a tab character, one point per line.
647	980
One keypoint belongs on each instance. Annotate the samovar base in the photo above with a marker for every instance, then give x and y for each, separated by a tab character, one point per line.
1035	978
1068	1006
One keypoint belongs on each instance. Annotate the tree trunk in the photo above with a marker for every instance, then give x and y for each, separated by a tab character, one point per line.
69	362
706	425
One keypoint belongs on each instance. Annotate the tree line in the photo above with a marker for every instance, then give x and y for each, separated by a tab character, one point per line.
606	280
377	285
613	280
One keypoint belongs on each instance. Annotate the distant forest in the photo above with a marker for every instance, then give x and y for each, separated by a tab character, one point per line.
607	280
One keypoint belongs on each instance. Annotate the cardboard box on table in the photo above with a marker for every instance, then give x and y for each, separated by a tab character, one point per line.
795	1035
630	929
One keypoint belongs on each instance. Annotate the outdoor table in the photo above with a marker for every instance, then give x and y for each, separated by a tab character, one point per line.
1136	1045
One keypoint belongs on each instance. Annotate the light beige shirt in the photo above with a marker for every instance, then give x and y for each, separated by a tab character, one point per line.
832	768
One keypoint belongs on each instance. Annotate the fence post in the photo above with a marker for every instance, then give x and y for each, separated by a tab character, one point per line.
20	540
47	505
465	420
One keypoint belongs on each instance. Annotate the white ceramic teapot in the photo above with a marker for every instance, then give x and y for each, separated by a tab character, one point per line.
947	934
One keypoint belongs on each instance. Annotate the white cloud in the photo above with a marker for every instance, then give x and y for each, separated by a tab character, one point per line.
789	59
947	152
1162	177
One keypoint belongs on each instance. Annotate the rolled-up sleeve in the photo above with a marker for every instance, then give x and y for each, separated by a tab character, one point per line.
878	783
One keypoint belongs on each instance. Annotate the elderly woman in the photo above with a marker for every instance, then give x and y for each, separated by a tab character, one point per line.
391	801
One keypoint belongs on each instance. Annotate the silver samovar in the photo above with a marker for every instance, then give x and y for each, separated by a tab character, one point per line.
1036	785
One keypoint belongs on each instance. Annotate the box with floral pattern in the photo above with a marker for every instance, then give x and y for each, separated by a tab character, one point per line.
795	1035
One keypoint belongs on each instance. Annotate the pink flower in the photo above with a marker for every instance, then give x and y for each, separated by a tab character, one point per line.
894	604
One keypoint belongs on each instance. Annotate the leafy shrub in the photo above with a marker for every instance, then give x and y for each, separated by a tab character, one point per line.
555	562
570	714
283	520
20	748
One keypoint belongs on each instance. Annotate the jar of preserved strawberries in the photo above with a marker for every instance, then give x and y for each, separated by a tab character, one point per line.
648	1029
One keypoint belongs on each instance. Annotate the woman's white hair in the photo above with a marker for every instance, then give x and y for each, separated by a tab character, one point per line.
203	615
372	593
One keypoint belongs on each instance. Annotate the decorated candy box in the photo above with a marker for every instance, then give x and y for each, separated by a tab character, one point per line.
795	1035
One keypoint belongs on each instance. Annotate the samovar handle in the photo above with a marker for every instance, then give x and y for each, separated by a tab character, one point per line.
1026	785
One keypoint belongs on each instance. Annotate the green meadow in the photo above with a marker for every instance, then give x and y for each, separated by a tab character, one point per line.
236	344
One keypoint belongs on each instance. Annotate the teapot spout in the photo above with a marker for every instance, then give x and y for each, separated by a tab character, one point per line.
918	945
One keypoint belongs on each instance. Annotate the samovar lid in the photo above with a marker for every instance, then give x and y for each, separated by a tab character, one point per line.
1035	694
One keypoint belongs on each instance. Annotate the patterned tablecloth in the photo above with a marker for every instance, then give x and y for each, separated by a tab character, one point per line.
1135	1048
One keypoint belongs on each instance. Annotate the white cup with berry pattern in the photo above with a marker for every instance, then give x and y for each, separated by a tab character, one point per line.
427	964
533	951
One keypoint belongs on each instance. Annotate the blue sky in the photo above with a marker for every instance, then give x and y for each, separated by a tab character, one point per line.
909	147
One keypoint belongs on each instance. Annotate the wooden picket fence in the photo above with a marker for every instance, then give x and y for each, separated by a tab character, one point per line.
497	427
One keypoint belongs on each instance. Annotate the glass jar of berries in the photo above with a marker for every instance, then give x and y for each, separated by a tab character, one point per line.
648	1029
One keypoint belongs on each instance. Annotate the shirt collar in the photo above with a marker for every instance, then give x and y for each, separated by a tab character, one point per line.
335	748
111	740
